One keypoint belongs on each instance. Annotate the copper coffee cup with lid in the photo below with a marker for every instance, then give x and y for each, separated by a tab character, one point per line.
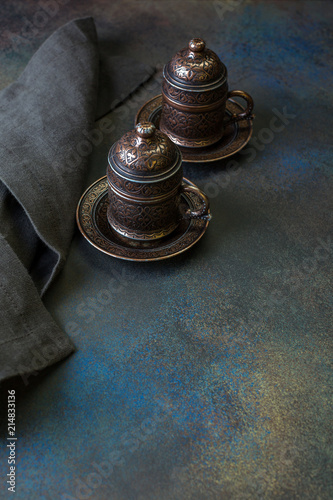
194	95
145	185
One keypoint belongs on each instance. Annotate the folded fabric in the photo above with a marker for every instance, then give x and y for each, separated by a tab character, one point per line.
45	119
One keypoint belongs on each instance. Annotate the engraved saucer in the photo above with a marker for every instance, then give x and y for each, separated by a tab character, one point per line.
91	217
236	135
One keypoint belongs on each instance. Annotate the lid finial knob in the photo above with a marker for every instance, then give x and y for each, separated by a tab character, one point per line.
145	129
197	45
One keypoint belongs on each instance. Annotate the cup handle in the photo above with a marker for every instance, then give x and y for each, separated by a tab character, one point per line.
247	114
203	212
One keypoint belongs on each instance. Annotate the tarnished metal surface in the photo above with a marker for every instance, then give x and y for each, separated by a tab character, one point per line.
145	187
235	136
194	95
205	376
94	225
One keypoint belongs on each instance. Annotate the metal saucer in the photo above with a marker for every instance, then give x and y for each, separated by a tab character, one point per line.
236	136
91	217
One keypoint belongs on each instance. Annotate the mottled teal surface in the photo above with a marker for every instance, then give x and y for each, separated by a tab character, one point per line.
207	376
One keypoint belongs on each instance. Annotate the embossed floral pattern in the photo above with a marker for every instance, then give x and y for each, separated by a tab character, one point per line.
195	129
144	155
195	67
93	224
236	137
194	98
144	221
148	189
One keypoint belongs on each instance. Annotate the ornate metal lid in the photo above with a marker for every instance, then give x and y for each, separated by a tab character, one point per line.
195	66
144	154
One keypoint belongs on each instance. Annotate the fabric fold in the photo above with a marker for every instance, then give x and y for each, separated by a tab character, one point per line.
43	116
46	117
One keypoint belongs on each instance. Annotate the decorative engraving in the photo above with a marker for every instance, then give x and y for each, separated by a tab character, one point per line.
195	67
192	128
145	190
235	136
152	220
93	224
124	231
144	205
144	154
194	117
194	98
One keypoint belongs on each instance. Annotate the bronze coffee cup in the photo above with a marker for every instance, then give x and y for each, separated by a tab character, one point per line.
194	95
145	185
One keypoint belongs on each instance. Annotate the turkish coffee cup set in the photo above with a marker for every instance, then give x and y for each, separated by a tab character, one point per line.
144	209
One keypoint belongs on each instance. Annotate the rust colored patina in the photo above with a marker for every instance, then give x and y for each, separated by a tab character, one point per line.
145	185
195	91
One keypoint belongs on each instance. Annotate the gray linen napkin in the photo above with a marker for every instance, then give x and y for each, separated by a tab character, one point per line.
45	120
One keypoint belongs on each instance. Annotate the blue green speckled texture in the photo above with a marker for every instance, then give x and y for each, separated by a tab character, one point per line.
207	376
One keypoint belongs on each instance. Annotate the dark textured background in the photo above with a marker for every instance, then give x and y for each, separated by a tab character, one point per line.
207	376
